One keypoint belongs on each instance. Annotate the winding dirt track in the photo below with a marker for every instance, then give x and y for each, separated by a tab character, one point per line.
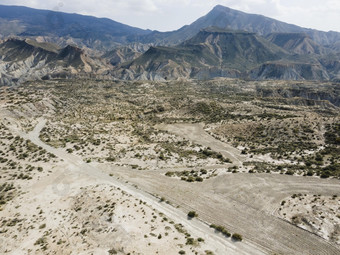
75	166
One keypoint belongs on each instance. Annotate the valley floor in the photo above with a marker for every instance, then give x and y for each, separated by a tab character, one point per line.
114	168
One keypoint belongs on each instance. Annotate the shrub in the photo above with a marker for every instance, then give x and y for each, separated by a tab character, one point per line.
325	175
110	159
310	173
190	179
112	251
237	237
161	156
169	174
192	214
42	226
190	241
203	171
40	241
290	172
221	229
199	179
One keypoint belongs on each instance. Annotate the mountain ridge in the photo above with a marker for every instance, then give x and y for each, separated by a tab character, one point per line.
84	30
223	52
104	33
223	43
22	60
227	18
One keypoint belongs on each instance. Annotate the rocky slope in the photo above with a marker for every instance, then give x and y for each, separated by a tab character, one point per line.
125	53
22	60
283	70
216	52
213	52
298	43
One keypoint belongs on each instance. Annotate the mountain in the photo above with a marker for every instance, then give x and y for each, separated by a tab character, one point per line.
226	18
213	52
22	60
223	43
50	26
235	49
216	52
105	34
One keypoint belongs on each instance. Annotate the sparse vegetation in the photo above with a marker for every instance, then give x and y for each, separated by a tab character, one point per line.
146	131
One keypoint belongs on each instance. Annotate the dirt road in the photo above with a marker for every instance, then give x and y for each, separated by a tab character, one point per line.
74	165
244	203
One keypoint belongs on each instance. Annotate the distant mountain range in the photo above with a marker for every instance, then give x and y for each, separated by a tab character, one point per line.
64	28
223	43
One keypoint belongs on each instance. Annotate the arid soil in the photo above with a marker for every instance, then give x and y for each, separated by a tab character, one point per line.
114	168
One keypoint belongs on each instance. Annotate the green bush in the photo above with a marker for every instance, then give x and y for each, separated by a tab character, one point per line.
237	237
221	229
190	241
290	172
192	214
199	179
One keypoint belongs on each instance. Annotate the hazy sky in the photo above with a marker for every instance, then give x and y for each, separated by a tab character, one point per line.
165	15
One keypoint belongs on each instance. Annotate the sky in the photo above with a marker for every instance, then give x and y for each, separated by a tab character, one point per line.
167	15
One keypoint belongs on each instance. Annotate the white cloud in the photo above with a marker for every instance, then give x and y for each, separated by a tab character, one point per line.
172	14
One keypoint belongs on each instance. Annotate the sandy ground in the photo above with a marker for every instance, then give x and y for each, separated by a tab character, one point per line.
315	213
91	208
78	209
246	203
195	133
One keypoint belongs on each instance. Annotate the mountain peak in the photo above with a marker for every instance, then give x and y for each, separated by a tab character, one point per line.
221	8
